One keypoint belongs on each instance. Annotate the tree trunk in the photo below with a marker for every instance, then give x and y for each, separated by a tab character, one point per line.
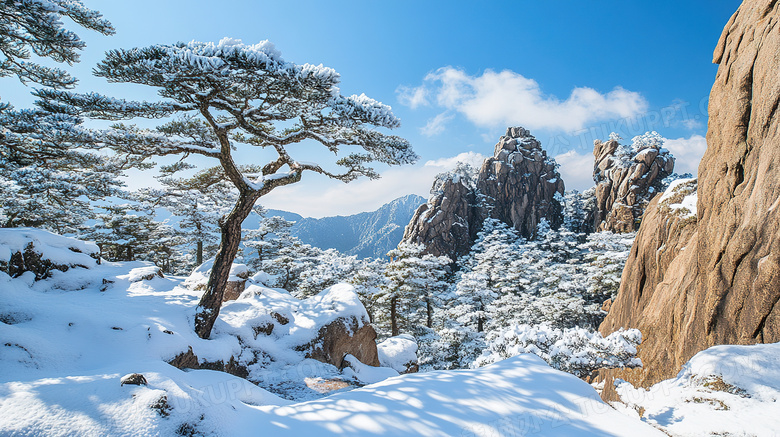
200	253
429	309
393	317
208	308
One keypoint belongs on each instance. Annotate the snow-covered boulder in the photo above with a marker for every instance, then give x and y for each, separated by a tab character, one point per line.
146	273
42	252
399	353
239	273
325	327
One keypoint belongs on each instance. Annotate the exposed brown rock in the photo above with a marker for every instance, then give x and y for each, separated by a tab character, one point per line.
446	225
233	289
185	360
518	185
725	286
342	337
133	379
627	178
188	360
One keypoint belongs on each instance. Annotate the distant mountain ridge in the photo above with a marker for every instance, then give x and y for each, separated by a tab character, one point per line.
367	234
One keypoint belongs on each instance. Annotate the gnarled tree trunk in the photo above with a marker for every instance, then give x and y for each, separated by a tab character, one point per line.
211	301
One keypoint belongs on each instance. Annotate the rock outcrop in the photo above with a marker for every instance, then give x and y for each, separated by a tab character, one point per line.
42	253
627	178
448	223
344	337
236	282
518	185
688	287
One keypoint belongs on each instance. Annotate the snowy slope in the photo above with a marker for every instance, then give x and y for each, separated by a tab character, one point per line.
723	390
64	349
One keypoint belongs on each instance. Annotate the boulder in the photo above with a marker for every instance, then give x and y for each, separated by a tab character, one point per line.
147	273
341	337
133	379
188	360
691	286
239	273
399	353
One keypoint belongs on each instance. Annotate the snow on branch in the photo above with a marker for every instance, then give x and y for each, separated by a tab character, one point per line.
575	350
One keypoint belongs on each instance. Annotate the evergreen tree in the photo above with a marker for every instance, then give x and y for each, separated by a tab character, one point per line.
330	268
262	245
48	171
231	94
490	270
369	280
413	281
198	201
126	232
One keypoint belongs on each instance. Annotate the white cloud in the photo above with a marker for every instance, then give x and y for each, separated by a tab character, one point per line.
687	153
692	123
436	125
507	98
576	170
317	196
412	97
445	164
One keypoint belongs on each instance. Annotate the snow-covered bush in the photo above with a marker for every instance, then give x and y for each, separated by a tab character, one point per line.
575	350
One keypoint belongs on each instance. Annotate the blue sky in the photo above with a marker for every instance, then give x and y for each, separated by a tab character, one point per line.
457	73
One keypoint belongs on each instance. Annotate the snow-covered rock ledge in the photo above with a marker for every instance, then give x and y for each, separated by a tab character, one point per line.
42	253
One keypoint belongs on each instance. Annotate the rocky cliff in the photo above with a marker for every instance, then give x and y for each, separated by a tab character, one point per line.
690	286
447	224
518	185
627	178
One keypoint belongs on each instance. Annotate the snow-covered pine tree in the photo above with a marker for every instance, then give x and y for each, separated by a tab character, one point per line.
574	350
48	173
128	232
36	27
330	268
229	94
413	281
263	244
489	271
292	259
368	281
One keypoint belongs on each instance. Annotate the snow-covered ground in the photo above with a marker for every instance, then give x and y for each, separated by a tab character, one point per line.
67	341
724	390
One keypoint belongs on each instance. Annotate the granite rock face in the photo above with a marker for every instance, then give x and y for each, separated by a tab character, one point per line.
724	287
627	178
519	185
447	223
